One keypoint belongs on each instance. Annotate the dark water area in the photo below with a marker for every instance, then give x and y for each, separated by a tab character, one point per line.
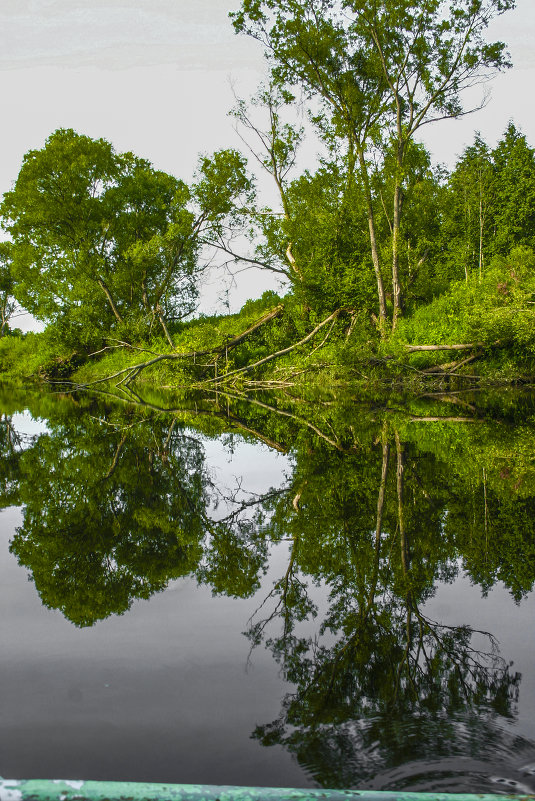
325	591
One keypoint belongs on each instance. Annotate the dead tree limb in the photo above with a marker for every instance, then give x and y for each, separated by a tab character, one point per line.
445	420
467	346
449	368
129	374
276	312
276	355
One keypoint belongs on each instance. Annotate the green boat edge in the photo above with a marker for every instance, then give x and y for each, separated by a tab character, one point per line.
64	790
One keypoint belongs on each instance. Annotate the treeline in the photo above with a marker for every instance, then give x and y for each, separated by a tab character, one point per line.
119	263
105	250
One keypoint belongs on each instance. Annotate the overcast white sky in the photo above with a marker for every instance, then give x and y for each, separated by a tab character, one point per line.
153	76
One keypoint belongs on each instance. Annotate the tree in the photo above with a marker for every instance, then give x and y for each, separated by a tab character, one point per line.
7	301
469	210
309	46
430	52
513	193
381	71
489	208
102	240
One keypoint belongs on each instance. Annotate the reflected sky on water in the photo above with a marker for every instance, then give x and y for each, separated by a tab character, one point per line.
256	620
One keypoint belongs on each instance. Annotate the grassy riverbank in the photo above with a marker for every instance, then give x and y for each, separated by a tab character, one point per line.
482	329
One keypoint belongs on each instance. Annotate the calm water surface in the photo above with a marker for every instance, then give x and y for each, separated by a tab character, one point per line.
309	592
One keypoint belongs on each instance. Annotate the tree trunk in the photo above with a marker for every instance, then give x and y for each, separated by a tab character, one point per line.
396	225
107	292
378	523
481	225
467	346
162	323
374	249
396	287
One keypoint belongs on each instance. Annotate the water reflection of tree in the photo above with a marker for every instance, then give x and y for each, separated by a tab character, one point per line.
10	450
116	505
379	660
110	514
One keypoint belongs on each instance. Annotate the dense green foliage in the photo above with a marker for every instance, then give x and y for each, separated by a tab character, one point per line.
379	72
7	301
108	252
103	244
381	500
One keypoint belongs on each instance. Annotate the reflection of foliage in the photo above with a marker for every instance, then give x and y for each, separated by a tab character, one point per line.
491	499
385	537
116	504
10	444
109	516
378	508
235	555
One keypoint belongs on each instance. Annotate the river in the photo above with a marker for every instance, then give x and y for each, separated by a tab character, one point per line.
281	590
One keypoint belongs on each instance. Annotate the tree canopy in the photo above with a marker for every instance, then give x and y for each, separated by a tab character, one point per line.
379	72
101	240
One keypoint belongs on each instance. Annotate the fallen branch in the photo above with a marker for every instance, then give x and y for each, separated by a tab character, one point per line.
236	341
130	373
450	367
445	420
226	376
465	361
467	346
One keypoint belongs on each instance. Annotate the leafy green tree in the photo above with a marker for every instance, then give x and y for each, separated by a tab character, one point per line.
488	208
102	241
7	300
380	72
319	240
329	245
420	232
469	213
513	193
429	52
310	47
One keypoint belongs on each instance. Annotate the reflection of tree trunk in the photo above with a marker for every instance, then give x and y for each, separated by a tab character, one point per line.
8	433
286	585
405	561
165	450
297	498
379	524
115	461
405	565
